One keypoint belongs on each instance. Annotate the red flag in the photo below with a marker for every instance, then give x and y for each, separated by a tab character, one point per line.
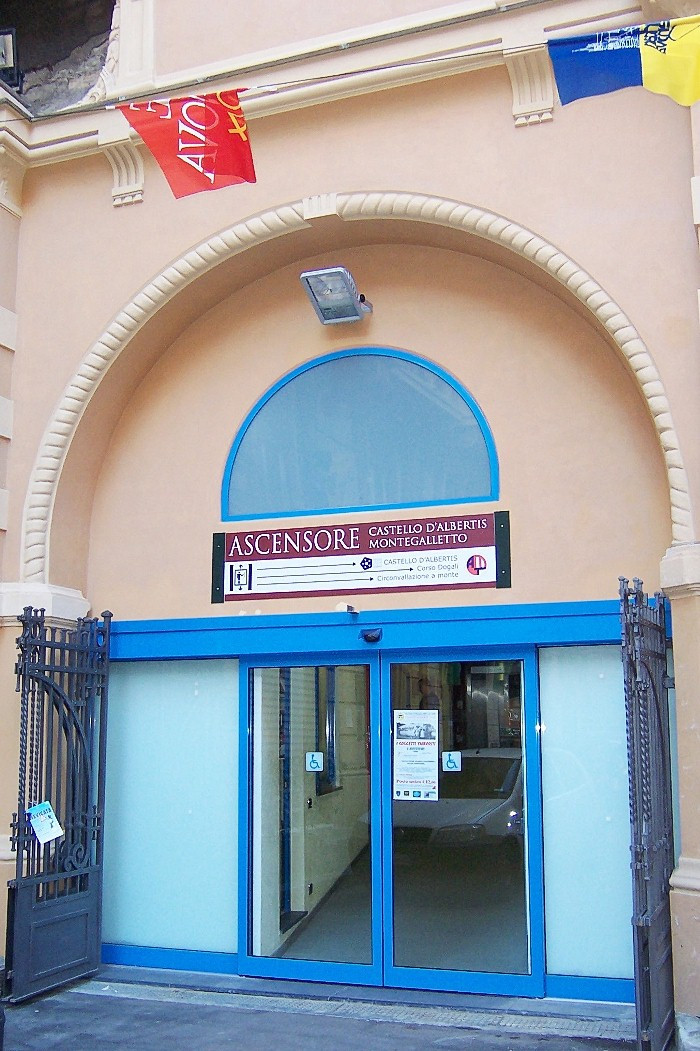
200	142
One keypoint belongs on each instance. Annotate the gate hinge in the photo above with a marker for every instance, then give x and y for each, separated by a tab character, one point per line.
639	855
12	884
669	682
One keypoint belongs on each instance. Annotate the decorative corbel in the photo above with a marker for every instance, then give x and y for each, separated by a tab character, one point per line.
532	80
12	169
127	168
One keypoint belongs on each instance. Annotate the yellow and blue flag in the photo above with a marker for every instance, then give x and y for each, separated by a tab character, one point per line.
663	57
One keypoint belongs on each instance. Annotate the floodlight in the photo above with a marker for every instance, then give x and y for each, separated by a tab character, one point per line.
334	295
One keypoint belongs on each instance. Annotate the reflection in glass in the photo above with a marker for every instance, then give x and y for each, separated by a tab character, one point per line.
310	880
585	810
458	860
303	451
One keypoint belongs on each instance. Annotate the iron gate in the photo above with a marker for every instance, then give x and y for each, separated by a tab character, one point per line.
54	902
651	814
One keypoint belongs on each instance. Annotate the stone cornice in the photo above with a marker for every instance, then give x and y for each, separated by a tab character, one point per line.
474	23
680	571
456	39
686	875
60	603
462	37
75	134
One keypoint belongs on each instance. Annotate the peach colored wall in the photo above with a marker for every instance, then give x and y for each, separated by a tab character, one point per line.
608	181
577	448
82	260
9	238
224	32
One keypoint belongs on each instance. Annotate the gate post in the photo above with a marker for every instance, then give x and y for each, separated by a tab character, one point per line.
680	581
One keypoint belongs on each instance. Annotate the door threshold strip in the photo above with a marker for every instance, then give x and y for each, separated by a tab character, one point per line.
619	1030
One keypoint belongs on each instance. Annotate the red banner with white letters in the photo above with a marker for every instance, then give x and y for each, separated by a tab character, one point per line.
200	142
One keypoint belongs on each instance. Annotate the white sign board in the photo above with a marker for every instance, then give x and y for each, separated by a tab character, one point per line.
451	761
445	552
44	822
416	754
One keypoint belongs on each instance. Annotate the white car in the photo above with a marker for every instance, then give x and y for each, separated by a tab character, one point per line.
481	803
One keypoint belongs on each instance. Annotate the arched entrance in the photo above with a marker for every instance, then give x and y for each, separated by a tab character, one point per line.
313	222
505	328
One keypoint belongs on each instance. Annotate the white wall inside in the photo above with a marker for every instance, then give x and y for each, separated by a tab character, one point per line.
325	837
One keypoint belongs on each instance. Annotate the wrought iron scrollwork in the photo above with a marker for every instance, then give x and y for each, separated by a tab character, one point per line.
62	674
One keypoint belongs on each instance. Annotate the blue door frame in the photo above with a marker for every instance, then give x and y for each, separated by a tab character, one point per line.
382	970
470	632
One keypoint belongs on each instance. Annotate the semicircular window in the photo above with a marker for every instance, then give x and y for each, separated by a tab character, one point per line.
362	430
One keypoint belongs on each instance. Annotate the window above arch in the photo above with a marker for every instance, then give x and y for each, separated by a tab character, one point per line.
358	430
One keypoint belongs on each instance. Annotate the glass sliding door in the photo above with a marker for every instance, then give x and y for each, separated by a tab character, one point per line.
386	826
458	816
310	842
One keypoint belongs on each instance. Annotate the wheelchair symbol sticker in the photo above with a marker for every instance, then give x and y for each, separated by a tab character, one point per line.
451	761
314	762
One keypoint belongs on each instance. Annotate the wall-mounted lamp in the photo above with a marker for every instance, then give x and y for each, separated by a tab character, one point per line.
371	634
10	72
334	295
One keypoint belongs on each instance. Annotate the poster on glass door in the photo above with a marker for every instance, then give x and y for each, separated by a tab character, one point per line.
415	754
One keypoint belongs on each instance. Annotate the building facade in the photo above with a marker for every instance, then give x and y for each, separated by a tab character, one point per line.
366	714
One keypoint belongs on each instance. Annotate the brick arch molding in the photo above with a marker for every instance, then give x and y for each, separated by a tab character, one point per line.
287	219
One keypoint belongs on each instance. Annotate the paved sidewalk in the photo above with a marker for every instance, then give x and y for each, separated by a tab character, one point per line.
175	1013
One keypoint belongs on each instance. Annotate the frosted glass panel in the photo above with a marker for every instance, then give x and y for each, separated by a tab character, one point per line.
360	430
588	883
171	805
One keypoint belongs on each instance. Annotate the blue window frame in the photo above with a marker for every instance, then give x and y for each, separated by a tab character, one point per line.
327	780
362	429
285	816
